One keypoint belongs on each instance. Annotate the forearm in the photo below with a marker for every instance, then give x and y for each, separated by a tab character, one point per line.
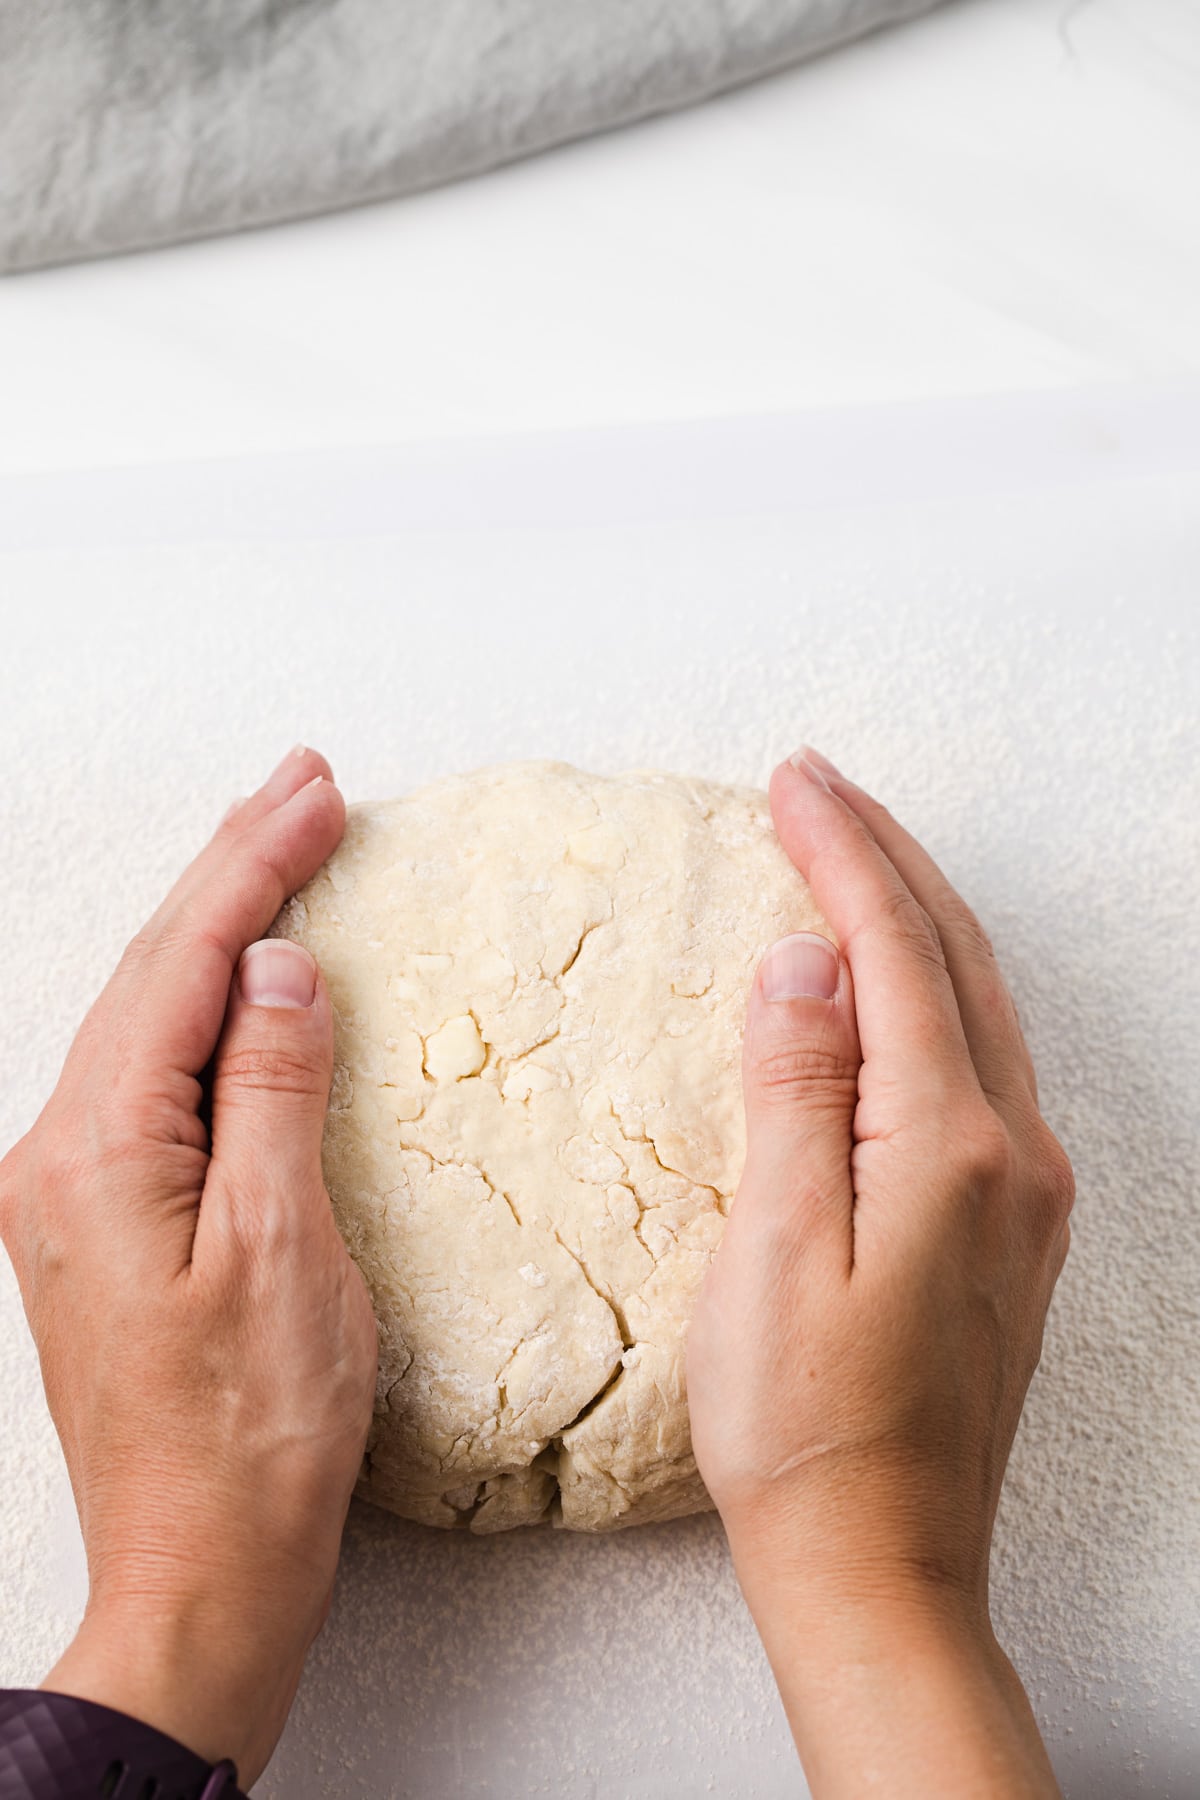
908	1702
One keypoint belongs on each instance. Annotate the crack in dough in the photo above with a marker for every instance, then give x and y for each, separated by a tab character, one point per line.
539	980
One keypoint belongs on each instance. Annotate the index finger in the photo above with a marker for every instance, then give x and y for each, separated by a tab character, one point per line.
165	1004
989	1014
915	1054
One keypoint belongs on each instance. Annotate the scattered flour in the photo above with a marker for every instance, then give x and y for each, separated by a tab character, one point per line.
1047	755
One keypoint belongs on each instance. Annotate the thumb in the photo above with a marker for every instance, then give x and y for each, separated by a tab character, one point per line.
800	1064
271	1074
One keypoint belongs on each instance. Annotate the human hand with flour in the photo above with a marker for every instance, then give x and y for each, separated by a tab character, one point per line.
860	1354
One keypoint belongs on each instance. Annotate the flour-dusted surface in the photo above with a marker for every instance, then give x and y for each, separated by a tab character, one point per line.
539	978
1016	673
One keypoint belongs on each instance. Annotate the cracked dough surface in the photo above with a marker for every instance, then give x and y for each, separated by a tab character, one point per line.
539	982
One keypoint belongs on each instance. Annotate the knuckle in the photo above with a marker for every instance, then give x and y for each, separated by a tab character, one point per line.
259	870
268	1223
967	927
171	935
37	1195
812	1071
906	914
1055	1179
10	1191
186	934
984	1148
271	1068
993	1003
155	944
58	1164
140	948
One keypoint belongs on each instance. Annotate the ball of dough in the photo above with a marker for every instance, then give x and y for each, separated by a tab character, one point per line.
539	982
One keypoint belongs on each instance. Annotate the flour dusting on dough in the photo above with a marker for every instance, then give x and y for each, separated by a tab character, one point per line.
539	981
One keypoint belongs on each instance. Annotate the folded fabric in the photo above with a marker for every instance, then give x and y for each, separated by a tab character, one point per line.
126	123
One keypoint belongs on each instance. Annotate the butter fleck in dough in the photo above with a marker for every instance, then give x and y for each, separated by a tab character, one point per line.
539	981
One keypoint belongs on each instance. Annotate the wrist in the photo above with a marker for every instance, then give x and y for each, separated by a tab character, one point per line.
853	1596
829	1638
188	1668
894	1684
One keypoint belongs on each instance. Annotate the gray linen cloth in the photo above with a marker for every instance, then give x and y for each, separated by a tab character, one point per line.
126	123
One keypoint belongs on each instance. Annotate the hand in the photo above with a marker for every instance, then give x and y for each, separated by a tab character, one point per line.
207	1346
864	1340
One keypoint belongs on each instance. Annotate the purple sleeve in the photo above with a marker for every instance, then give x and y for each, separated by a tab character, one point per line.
54	1747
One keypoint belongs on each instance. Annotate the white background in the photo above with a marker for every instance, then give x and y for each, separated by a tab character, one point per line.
957	266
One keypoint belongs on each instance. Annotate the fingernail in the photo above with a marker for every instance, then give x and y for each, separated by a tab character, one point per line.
802	966
799	761
230	810
275	972
282	772
317	781
822	762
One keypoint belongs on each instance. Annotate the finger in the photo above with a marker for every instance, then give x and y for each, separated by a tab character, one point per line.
300	766
270	1089
298	770
993	1033
909	1026
800	1064
169	995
